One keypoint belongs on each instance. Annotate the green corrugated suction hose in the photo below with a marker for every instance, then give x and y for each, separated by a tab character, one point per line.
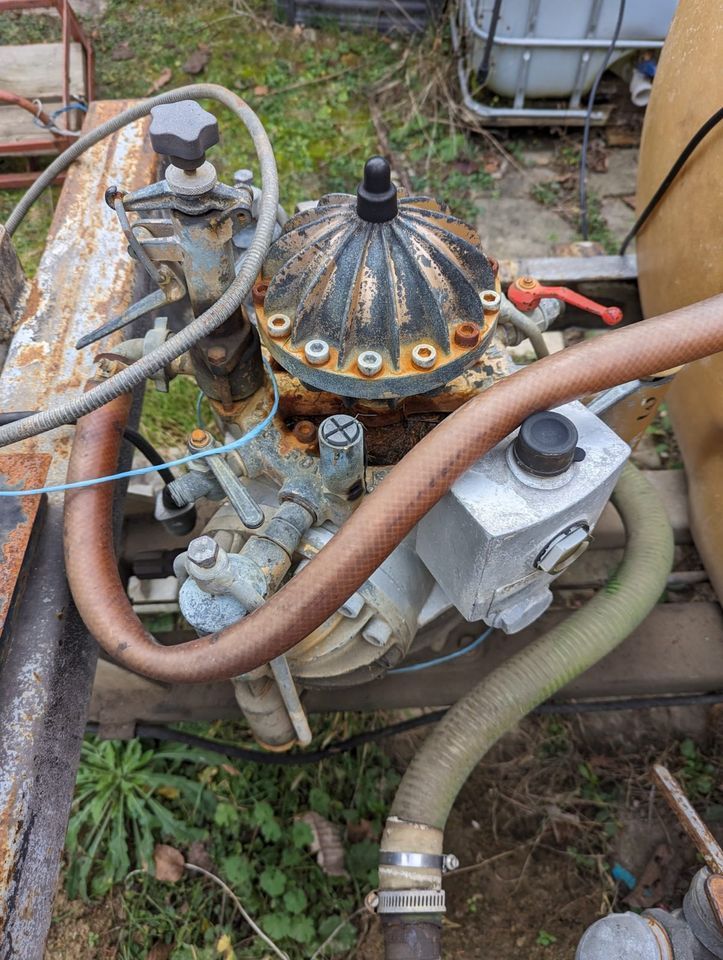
443	764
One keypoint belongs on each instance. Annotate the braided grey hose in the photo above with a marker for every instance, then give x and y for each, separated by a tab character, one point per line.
233	297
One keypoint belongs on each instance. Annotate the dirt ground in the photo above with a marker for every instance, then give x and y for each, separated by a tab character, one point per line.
540	824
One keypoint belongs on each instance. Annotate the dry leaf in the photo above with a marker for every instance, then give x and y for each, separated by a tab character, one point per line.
356	832
160	951
198	856
225	947
298	30
196	63
168	863
629	200
261	90
161	80
651	886
326	844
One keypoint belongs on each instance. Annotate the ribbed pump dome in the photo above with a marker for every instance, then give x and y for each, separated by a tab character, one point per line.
377	273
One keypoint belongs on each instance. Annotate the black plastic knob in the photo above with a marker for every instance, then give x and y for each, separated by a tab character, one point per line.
546	444
183	131
376	196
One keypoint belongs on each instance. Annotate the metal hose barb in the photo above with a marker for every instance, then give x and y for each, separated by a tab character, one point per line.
382	520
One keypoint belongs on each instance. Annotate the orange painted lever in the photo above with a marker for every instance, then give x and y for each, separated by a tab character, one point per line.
526	292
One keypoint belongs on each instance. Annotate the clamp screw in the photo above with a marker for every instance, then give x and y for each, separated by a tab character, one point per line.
183	131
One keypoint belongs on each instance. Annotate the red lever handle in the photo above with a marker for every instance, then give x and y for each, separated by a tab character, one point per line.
526	292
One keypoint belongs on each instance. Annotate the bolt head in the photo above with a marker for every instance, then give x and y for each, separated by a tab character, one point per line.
491	300
424	356
467	335
317	352
203	551
199	438
369	363
279	326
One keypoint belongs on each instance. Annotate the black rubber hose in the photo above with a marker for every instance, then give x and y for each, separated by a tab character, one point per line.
685	153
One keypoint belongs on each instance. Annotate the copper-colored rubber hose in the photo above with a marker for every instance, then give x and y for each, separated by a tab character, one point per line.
380	523
7	96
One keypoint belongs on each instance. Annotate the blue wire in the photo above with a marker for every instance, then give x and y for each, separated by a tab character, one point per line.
199	415
447	657
71	106
140	471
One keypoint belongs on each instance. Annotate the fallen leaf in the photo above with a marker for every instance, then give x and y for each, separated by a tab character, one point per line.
168	863
161	80
356	832
122	51
629	200
326	844
298	30
160	951
261	90
225	947
197	61
231	770
199	857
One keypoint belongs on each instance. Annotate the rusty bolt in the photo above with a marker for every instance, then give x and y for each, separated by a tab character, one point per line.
467	335
216	355
199	438
526	283
258	292
494	264
203	551
305	431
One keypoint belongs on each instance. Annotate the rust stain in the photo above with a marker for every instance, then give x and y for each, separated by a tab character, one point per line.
31	353
17	516
10	828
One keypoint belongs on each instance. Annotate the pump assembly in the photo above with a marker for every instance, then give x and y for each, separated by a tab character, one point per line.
380	469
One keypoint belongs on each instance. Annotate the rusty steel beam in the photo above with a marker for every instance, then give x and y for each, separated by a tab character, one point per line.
47	661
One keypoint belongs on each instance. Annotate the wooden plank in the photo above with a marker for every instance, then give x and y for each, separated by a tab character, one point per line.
36	70
678	649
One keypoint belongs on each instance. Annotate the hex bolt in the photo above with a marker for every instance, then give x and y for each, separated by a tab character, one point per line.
491	300
259	291
199	439
352	607
203	551
317	352
369	363
279	325
243	178
424	356
305	431
467	334
377	632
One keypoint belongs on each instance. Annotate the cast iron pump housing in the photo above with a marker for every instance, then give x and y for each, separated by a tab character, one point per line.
376	295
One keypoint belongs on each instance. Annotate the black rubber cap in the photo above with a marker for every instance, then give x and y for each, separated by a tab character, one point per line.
376	196
547	444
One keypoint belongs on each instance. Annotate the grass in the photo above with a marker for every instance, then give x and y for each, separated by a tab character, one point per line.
246	826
